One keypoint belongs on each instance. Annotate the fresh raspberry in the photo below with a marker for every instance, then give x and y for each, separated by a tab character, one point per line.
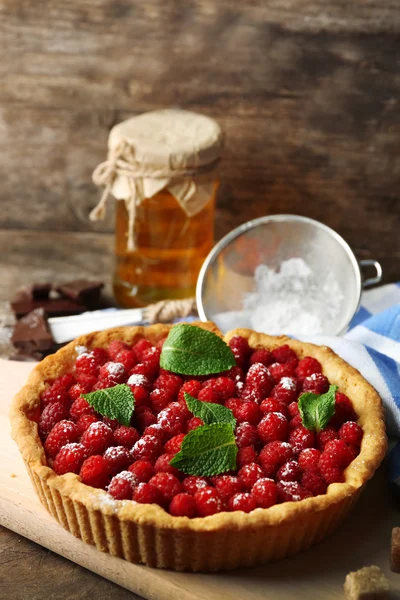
224	386
112	423
144	417
293	409
274	426
241	350
66	381
330	472
344	411
85	421
307	366
94	471
121	486
279	370
183	505
194	423
80	407
157	431
271	405
234	404
90	362
207	394
147	448
138	380
351	433
316	383
86	380
289	471
339	452
174	444
191	387
169	382
284	354
242	501
148	370
126	436
162	465
246	435
194	483
143	470
115	347
265	492
113	373
52	414
249	474
228	485
259	383
291	491
63	432
152	357
273	455
313	482
141	346
263	356
145	493
295	422
118	459
69	459
97	438
301	438
236	374
208	502
127	358
170	421
325	436
250	412
56	393
102	384
246	456
285	390
160	399
180	410
309	459
79	388
167	484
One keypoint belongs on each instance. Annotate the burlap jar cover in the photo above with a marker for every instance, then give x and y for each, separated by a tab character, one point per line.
170	149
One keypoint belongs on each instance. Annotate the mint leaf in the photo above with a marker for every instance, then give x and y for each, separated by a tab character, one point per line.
189	350
208	450
316	410
115	403
210	412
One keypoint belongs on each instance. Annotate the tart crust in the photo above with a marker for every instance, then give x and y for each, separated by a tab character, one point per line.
147	534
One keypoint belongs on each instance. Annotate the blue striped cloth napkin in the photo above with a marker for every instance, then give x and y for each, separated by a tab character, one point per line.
372	345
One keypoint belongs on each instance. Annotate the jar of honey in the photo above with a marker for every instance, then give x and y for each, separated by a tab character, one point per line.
162	169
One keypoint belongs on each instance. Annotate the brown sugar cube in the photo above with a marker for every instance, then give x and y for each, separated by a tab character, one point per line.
395	550
368	583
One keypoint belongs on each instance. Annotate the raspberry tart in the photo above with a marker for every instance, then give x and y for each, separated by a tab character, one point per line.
164	448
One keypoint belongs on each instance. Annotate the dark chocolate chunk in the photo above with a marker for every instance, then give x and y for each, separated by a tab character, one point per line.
40	290
81	290
54	307
32	334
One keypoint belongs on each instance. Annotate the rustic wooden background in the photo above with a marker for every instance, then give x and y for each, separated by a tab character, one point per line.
307	92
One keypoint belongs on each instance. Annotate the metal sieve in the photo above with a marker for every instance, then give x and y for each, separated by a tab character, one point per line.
227	274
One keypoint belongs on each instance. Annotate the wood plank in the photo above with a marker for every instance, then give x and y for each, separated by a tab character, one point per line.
318	573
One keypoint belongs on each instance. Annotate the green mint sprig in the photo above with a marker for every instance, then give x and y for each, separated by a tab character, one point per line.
208	450
316	410
117	402
190	350
210	412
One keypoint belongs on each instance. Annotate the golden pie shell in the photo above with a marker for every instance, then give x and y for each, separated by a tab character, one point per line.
145	533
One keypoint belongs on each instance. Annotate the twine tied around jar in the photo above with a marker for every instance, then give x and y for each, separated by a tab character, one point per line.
122	163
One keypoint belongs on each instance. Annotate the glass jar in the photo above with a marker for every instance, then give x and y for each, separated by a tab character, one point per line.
161	168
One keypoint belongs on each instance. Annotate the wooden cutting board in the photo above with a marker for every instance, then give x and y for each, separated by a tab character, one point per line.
319	573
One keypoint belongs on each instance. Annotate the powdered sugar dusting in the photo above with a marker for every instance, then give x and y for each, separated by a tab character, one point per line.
287	383
115	368
138	379
80	350
293	300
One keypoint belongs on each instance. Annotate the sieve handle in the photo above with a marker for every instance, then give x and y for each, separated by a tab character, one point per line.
370	262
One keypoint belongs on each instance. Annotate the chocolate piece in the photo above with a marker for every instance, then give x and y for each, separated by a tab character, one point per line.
31	333
54	307
395	550
81	290
366	584
40	290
